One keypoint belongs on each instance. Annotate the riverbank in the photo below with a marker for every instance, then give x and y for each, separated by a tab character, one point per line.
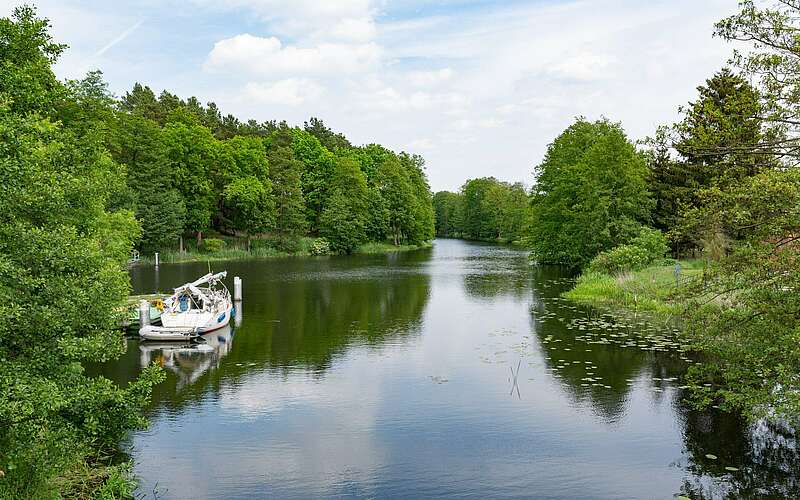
304	248
651	289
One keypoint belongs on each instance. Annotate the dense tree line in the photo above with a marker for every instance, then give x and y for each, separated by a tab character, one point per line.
193	170
484	209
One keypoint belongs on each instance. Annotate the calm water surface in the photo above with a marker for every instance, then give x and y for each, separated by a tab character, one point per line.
449	372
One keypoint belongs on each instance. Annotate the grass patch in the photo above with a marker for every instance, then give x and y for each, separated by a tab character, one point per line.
172	257
652	289
382	247
265	249
98	482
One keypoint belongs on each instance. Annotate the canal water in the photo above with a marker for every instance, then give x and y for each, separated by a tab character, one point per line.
455	372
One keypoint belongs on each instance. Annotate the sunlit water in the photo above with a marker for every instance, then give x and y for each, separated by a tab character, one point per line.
449	372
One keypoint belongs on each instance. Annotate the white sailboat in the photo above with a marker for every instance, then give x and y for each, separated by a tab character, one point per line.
193	310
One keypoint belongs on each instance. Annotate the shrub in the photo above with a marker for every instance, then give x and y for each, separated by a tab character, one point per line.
653	241
618	259
647	247
319	246
290	244
212	245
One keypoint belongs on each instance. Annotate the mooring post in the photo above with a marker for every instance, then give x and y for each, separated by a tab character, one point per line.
144	313
237	314
237	288
156	259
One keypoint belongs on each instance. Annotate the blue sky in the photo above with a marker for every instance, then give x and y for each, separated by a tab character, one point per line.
477	87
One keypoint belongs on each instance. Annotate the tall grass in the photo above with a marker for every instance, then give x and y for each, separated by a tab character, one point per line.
652	289
236	249
382	247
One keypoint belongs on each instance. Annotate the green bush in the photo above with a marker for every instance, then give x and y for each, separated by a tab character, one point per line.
290	244
647	247
653	241
212	245
319	246
618	259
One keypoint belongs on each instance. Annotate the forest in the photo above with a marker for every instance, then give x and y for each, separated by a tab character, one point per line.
192	170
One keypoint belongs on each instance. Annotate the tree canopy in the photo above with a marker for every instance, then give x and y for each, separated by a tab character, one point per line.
590	195
62	272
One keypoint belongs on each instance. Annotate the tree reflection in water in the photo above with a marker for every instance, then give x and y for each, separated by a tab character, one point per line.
760	460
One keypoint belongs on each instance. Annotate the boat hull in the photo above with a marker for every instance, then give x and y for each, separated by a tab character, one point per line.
174	332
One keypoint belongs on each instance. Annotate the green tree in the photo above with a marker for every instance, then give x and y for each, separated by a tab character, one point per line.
62	278
344	219
590	194
141	100
286	174
318	167
478	224
725	119
422	225
514	211
449	213
191	153
250	205
378	219
327	137
136	142
743	313
770	30
26	53
397	195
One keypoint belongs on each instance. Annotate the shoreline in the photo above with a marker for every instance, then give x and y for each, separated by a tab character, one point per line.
174	257
651	289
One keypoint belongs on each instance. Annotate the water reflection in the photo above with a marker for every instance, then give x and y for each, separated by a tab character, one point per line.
729	458
454	372
189	360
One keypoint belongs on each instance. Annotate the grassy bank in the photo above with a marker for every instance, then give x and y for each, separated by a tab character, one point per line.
373	247
651	289
236	250
98	481
172	256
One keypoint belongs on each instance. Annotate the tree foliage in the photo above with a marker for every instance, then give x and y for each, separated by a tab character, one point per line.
62	273
484	209
744	312
590	195
344	219
449	213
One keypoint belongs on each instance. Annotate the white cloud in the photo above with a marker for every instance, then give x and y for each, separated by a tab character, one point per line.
289	92
268	56
424	144
584	66
430	78
304	17
483	123
361	29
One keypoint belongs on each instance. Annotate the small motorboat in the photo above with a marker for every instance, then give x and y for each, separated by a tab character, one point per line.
193	310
